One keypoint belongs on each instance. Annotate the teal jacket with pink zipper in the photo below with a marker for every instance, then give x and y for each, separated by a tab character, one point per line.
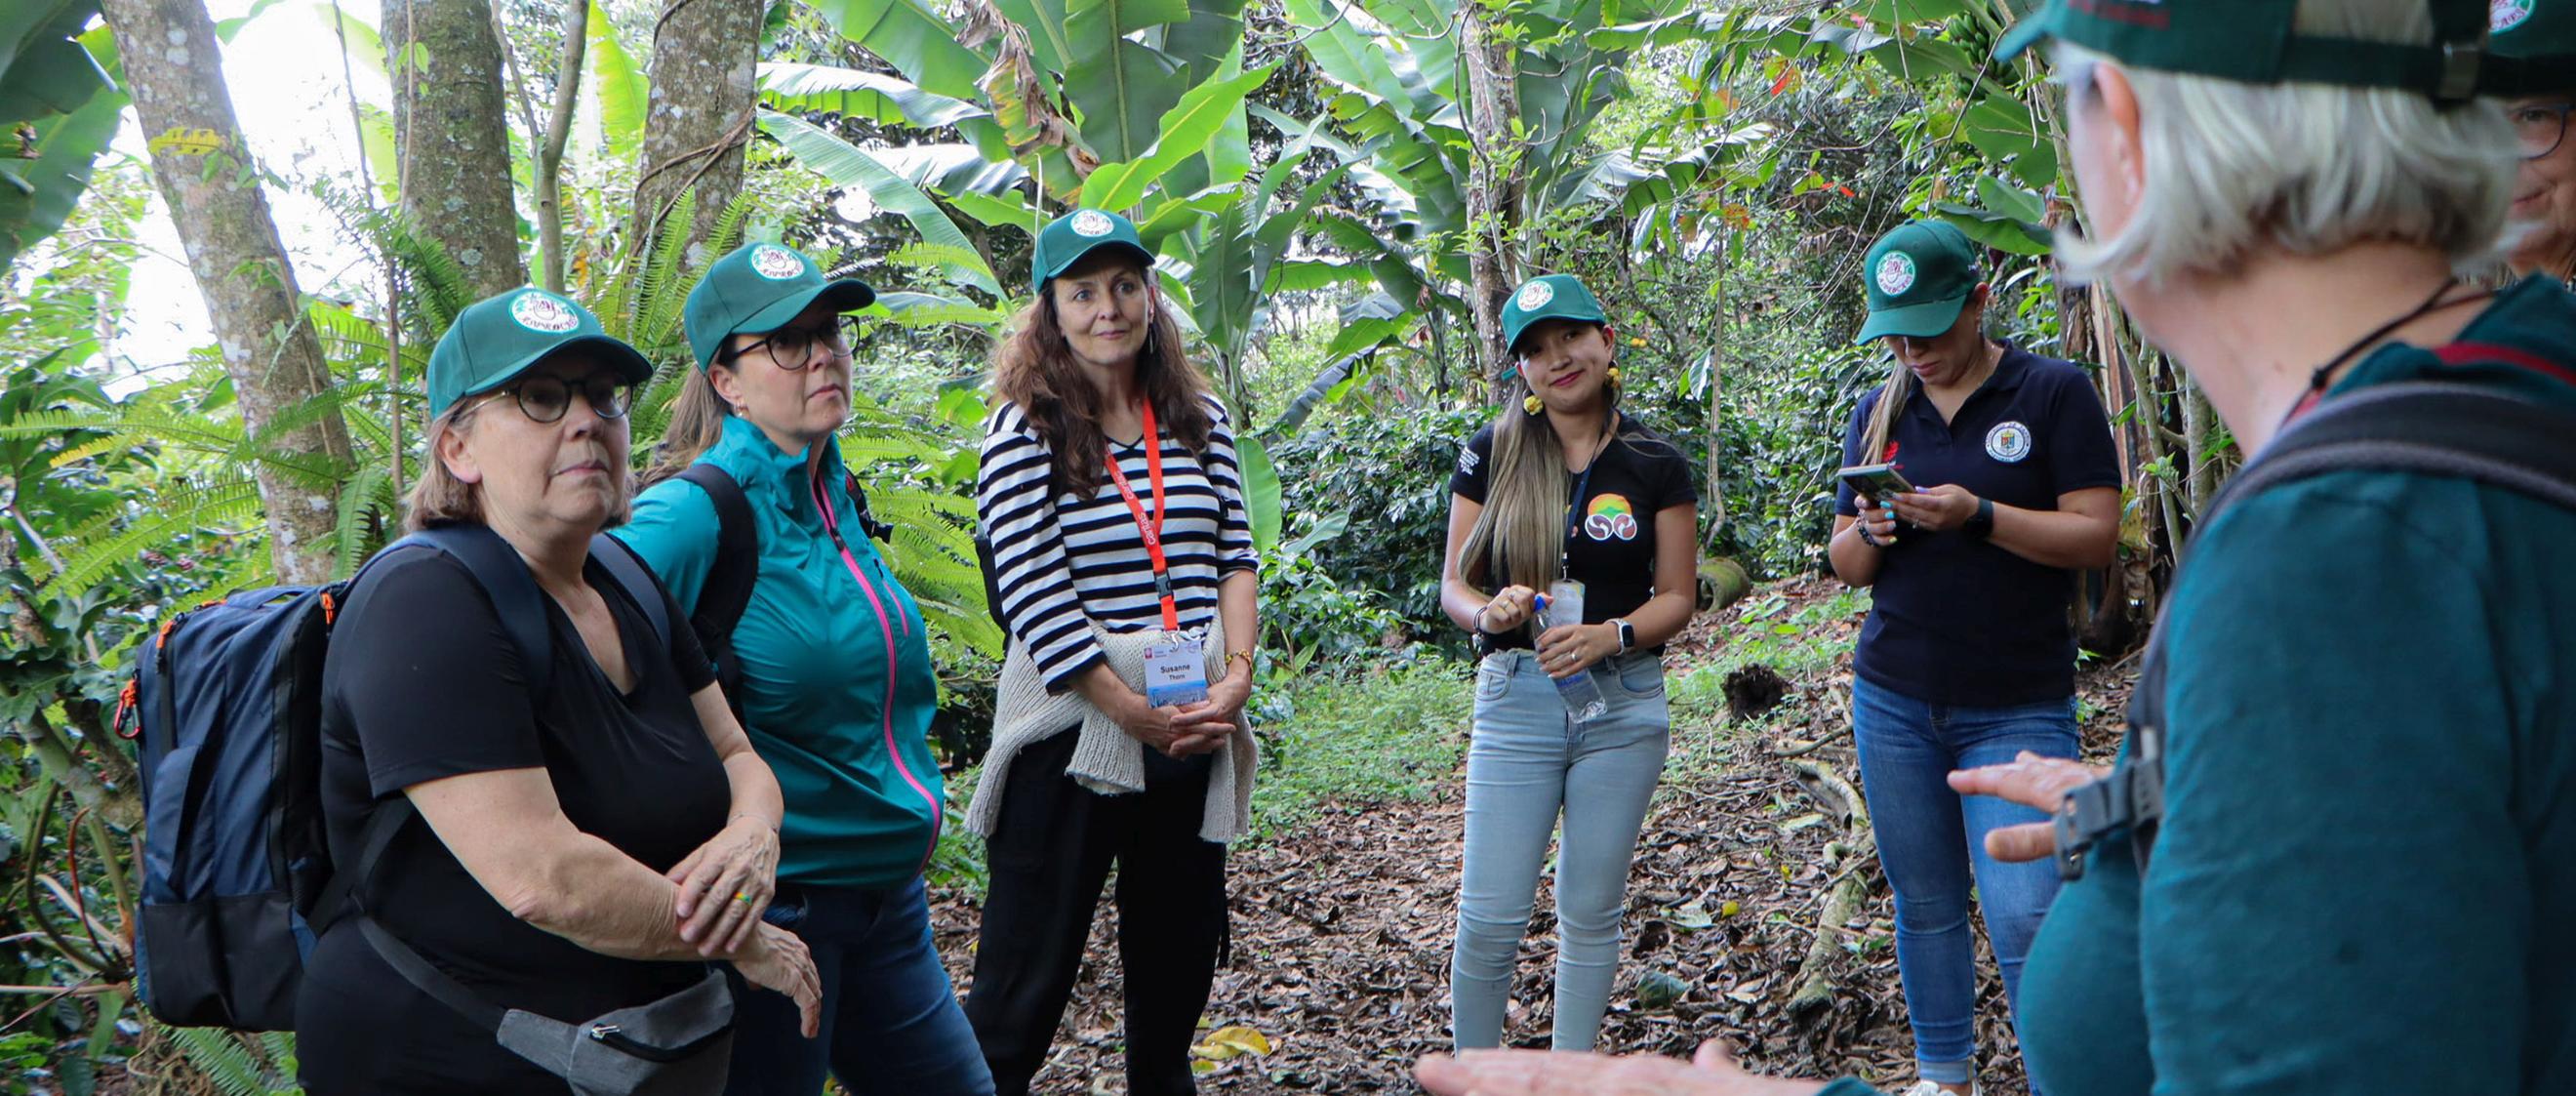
837	681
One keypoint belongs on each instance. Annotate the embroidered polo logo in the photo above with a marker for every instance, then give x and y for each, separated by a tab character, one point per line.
1091	223
1609	517
2008	442
1535	296
1895	273
2508	14
776	263
544	314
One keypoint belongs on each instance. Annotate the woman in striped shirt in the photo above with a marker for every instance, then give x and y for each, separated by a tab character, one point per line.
1121	550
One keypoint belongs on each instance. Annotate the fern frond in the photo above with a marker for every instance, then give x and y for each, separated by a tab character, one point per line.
230	501
364	505
224	1059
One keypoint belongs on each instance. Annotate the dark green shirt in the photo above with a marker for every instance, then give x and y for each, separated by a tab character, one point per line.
837	682
2366	881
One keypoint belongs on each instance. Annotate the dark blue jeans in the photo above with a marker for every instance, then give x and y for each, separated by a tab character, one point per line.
891	1024
1930	840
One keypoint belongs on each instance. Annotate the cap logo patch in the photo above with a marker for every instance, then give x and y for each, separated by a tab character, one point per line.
776	263
2008	442
1895	273
2507	14
1535	296
544	314
1092	223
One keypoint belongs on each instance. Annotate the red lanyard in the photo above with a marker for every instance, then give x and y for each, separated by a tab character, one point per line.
1153	531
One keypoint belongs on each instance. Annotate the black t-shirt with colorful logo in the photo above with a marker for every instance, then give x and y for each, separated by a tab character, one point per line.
1955	619
1613	550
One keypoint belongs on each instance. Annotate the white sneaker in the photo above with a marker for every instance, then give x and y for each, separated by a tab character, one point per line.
1933	1088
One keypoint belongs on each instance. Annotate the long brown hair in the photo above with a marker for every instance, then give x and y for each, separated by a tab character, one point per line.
1035	369
1519	539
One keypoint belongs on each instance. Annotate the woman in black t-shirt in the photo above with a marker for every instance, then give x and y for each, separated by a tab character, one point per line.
565	830
1562	495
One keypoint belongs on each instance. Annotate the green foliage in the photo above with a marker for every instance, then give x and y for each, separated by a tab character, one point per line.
1384	473
240	1064
1380	732
66	105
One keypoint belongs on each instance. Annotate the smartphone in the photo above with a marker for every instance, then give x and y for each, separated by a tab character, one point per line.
1875	481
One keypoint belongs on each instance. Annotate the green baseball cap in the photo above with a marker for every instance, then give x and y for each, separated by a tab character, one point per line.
757	288
2257	42
1068	238
1919	278
499	337
2539	36
1548	297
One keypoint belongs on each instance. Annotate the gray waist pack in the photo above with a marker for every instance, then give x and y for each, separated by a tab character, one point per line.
680	1045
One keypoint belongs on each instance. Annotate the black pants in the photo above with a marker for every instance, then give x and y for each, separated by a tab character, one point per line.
1050	851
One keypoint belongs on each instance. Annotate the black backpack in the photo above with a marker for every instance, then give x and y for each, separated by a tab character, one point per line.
727	590
2429	428
238	880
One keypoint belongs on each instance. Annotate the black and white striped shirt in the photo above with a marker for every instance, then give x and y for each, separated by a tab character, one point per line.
1061	559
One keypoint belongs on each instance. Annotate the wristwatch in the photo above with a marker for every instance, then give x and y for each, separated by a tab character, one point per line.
1627	635
1983	524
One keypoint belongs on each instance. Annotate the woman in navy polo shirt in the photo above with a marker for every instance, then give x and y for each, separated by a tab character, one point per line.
1967	658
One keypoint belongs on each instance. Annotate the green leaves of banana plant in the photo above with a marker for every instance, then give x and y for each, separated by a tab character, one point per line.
1183	132
845	164
50	82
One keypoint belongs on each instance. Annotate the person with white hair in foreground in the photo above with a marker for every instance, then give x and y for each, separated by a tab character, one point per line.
2358	708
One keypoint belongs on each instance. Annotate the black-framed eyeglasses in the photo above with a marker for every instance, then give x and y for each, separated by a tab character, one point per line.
545	398
792	348
2542	127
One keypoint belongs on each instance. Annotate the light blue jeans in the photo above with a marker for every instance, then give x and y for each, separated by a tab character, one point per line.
1932	841
1527	763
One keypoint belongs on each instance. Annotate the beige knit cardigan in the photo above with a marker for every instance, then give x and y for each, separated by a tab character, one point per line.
1107	759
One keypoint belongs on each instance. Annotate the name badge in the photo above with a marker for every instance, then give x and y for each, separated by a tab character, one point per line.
1176	672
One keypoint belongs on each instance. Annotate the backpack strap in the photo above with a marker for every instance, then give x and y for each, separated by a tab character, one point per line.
627	570
727	590
505	579
868	522
2428	428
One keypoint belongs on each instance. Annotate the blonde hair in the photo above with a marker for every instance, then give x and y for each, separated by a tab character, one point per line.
439	498
1519	538
698	416
2231	167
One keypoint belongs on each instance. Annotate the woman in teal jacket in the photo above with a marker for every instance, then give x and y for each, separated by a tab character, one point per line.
830	670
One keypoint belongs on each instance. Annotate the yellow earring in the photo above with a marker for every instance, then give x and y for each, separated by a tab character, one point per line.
1530	404
1614	376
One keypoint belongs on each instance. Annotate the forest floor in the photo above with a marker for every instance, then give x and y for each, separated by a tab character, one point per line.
1343	920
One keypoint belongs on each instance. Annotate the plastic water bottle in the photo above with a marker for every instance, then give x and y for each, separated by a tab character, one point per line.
1582	695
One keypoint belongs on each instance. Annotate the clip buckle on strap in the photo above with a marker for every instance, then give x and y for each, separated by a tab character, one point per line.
2131	798
2461	62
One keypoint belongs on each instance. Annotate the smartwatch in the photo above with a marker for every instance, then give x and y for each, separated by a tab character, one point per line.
1627	636
1983	524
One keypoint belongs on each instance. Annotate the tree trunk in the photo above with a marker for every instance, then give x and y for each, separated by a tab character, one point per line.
1493	188
550	146
700	116
451	137
176	76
